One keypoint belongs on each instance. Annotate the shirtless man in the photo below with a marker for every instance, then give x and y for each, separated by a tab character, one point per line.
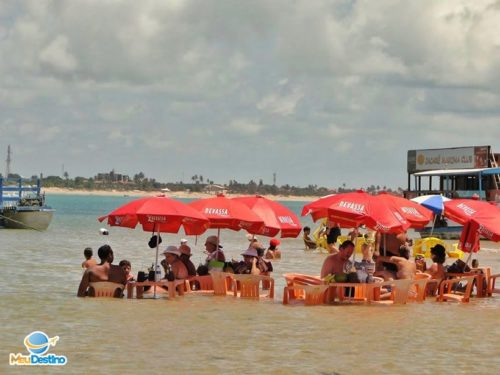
406	269
392	243
105	271
335	263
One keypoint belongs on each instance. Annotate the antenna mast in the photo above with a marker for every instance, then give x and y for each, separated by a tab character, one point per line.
7	162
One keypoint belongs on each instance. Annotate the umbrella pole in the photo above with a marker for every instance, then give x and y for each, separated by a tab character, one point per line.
156	261
218	241
354	253
385	251
468	258
433	224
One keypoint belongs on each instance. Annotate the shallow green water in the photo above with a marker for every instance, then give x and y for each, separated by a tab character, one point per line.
198	334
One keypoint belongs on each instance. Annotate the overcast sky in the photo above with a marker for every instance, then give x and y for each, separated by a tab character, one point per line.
320	92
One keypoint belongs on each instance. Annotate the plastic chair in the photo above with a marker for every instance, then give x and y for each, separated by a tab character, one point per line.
248	286
299	279
448	290
400	290
221	282
418	289
483	290
491	285
308	279
106	289
313	294
201	283
421	276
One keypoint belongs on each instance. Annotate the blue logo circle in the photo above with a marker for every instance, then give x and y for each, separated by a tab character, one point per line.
37	343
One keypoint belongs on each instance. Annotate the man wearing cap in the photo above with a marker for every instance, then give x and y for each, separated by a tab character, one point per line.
172	261
185	258
213	248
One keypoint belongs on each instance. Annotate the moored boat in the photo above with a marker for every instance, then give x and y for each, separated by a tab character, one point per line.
23	206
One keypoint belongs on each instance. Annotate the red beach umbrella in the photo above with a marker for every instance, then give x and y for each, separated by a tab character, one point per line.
225	213
357	208
417	215
479	219
158	214
469	239
276	217
463	210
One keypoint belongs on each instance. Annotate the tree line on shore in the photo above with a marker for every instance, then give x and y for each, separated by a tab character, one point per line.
197	184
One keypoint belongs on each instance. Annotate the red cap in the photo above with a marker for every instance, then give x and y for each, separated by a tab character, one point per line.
274	242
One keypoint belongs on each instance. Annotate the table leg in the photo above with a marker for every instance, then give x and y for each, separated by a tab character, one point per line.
130	290
479	285
139	292
171	289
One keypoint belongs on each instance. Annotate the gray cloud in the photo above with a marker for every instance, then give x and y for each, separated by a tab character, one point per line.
321	92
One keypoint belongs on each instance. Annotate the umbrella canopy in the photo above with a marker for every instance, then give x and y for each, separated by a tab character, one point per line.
417	215
356	208
479	219
224	213
276	217
434	202
463	210
469	239
159	214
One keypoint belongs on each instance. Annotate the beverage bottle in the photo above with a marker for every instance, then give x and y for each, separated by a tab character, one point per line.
158	273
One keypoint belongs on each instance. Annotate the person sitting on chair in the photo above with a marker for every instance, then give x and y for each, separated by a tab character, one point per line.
213	248
175	266
185	258
249	263
105	271
438	255
406	269
367	262
273	252
127	267
339	262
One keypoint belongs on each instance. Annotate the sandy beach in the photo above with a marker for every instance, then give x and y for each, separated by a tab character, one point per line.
173	194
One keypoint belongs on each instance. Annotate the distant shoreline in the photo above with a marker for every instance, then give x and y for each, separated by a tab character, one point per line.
173	194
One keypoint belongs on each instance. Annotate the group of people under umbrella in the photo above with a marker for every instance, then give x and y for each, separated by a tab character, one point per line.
384	213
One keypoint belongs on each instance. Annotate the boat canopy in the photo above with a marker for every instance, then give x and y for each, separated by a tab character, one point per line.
454	172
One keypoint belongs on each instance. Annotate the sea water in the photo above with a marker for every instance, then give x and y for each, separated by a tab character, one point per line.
201	334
